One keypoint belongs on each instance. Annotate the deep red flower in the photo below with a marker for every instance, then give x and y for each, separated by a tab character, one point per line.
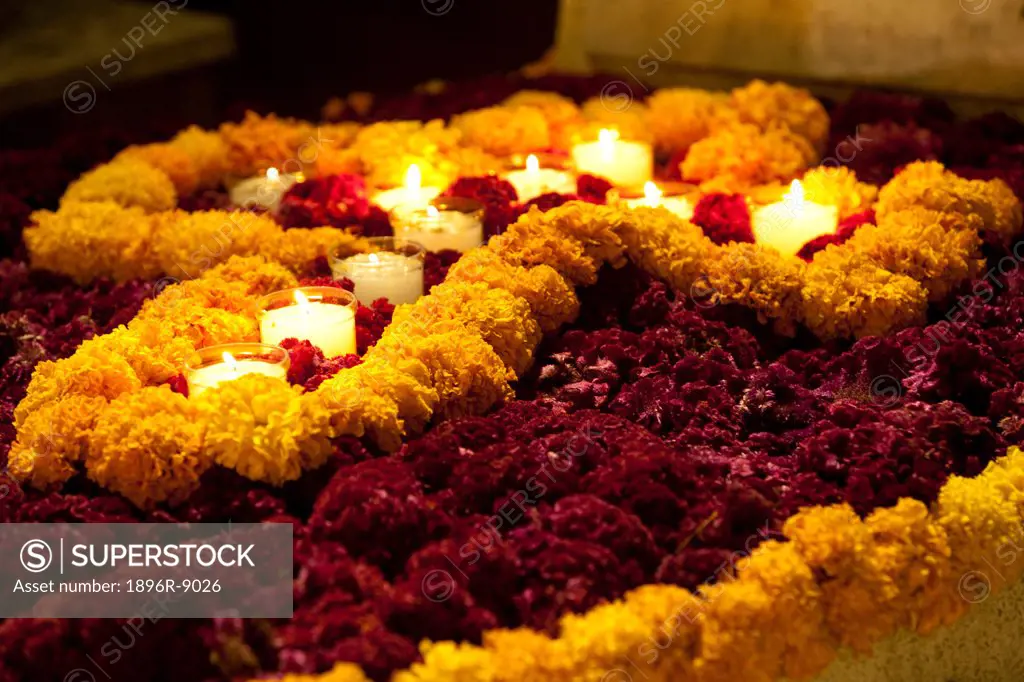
847	226
724	218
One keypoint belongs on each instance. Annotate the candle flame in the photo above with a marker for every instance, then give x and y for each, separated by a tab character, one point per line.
432	211
795	195
230	361
413	178
300	298
607	136
652	192
273	175
373	258
532	164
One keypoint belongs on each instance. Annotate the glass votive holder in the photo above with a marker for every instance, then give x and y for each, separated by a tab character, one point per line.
324	316
214	365
391	269
454	223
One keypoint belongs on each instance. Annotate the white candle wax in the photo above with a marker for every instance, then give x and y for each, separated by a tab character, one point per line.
331	327
394	276
534	180
264	190
203	378
412	194
621	162
789	224
653	198
437	229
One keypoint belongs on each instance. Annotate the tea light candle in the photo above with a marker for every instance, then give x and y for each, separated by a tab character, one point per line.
413	194
449	223
534	180
324	316
621	162
393	269
265	190
789	224
653	197
214	365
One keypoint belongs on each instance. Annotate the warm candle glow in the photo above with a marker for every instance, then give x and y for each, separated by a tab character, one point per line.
652	193
532	164
230	361
373	258
300	299
607	136
795	196
413	179
273	175
792	222
432	212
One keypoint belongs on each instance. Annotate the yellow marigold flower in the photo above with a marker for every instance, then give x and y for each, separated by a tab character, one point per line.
259	275
679	117
981	517
736	158
601	639
263	429
259	143
838	186
385	150
297	249
341	672
938	250
1005	204
915	552
529	242
207	326
90	371
451	662
552	299
501	318
504	130
846	293
665	245
791	635
86	240
767	105
467	374
672	615
146	445
207	151
560	112
630	119
127	182
150	347
378	397
195	242
756	277
52	437
837	545
175	163
927	184
596	227
524	655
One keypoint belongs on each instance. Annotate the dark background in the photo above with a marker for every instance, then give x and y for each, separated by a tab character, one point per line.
291	57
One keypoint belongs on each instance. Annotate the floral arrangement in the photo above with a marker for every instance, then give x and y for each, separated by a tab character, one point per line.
610	439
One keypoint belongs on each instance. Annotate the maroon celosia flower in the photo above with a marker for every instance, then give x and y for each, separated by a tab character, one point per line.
724	218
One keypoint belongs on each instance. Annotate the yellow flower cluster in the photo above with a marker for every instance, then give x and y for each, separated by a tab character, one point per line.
561	114
769	105
86	240
839	582
680	117
127	181
258	143
738	157
838	186
504	130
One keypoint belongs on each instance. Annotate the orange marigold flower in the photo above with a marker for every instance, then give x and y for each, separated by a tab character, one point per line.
147	446
296	249
736	158
51	438
927	184
175	163
127	182
629	118
552	299
195	242
208	153
939	250
384	151
560	112
86	240
1005	205
260	275
262	142
529	242
341	672
680	117
263	429
527	656
504	130
451	662
665	245
846	293
769	105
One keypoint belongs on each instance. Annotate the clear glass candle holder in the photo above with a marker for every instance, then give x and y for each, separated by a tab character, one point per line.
392	268
454	223
324	316
214	365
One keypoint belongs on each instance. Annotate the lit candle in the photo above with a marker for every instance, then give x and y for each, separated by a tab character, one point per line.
794	221
324	316
534	180
214	365
653	197
621	162
264	190
449	223
413	194
392	270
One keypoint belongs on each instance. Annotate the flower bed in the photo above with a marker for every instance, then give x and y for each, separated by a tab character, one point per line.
610	440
